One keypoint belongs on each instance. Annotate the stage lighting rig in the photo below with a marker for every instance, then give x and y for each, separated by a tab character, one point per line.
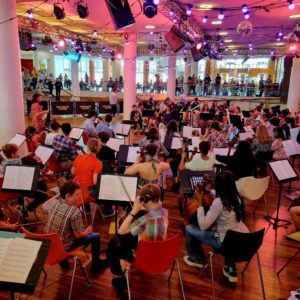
149	9
82	9
58	11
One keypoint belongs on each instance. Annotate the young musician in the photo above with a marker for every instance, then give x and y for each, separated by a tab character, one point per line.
151	226
136	118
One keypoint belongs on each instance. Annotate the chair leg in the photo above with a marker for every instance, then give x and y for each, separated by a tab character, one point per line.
85	274
290	259
261	276
73	276
244	270
172	269
127	282
180	278
44	271
212	274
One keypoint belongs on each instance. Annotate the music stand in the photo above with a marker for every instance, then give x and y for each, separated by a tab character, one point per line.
76	133
284	173
118	190
124	129
148	113
18	139
127	154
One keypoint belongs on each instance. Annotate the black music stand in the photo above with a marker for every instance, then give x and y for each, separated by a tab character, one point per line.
284	173
127	154
118	190
124	130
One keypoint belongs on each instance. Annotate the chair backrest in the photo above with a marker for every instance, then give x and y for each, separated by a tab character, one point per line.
156	257
85	138
238	246
252	188
53	165
56	252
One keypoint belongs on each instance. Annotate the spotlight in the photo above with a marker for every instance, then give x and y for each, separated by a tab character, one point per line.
149	9
156	2
119	56
247	15
189	10
272	52
198	46
291	5
204	20
250	45
61	42
29	14
171	12
280	34
58	11
221	14
94	32
244	8
82	10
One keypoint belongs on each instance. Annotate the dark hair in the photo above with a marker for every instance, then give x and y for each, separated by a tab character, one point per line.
216	126
153	134
92	113
150	192
243	152
279	134
226	190
204	147
103	136
108	118
9	150
152	149
35	97
69	187
54	125
66	128
172	127
30	131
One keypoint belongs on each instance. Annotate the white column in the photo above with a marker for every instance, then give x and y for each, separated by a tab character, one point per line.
129	75
116	69
11	102
195	68
51	65
187	73
294	88
105	74
75	81
171	83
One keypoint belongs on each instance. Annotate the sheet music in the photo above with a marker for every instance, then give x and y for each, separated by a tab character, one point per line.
223	151
18	139
115	144
44	153
18	260
294	133
113	188
283	169
195	141
123	129
245	135
248	129
291	147
4	244
76	133
132	154
18	178
187	131
176	143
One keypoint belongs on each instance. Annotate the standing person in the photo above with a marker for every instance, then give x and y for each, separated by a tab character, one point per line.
65	219
50	82
227	211
38	115
218	84
261	85
34	78
89	124
207	81
113	101
58	87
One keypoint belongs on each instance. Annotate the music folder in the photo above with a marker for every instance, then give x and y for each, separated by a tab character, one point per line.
76	133
44	153
18	139
20	178
128	154
116	188
283	170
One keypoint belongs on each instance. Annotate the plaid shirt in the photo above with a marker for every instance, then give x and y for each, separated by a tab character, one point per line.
152	226
63	148
65	219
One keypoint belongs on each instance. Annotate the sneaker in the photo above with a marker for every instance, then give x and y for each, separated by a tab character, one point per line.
194	263
230	273
119	283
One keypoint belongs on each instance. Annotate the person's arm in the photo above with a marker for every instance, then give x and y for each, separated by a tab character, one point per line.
97	171
8	226
164	166
182	161
133	169
82	234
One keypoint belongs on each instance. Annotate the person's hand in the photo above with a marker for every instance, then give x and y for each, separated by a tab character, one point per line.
12	226
89	229
137	205
199	196
183	153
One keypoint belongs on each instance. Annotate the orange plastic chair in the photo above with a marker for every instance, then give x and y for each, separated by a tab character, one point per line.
55	167
58	254
5	197
85	138
156	257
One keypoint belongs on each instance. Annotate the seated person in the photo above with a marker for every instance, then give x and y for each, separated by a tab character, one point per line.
89	124
215	136
64	148
295	216
151	226
204	162
106	153
136	118
55	128
227	211
5	225
65	219
105	126
277	145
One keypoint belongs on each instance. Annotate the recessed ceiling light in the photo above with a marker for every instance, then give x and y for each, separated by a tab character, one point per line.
234	50
216	22
205	6
279	44
149	26
223	33
294	16
232	46
228	41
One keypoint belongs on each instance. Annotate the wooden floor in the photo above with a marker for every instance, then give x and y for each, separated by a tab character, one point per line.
276	249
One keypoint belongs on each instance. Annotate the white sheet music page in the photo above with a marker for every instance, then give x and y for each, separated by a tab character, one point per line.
245	135
176	143
115	144
223	151
123	129
43	153
291	147
113	188
187	131
18	260
294	133
76	133
18	139
132	154
4	245
248	129
283	169
18	178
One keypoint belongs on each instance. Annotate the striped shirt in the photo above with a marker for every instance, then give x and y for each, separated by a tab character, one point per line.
65	219
152	226
63	148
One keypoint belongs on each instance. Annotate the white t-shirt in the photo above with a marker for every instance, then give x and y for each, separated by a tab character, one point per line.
199	164
113	98
49	138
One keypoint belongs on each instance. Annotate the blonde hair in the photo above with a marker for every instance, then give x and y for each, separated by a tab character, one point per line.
93	145
262	135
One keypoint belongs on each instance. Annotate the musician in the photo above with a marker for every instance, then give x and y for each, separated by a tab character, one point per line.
38	115
105	126
136	118
65	219
5	225
106	153
55	130
151	226
64	147
215	136
89	124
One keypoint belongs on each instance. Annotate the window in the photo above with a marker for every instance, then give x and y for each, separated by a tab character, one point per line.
98	70
62	66
140	71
